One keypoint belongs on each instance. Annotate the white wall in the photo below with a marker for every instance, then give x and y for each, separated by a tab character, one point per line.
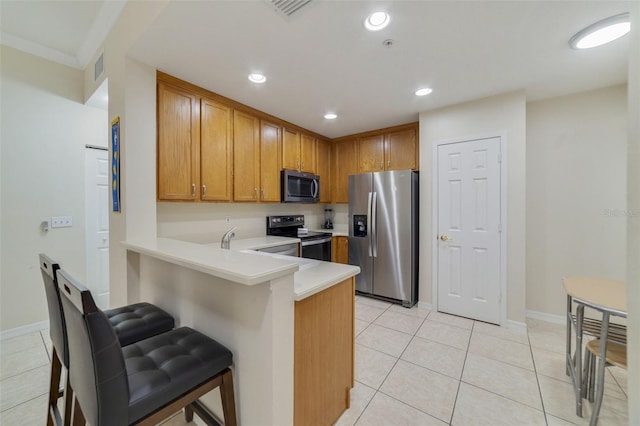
45	128
503	114
576	192
633	220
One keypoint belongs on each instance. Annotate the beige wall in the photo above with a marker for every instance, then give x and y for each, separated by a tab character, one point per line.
633	220
45	127
576	192
498	115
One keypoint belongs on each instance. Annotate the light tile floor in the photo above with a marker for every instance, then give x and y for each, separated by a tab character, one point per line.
413	367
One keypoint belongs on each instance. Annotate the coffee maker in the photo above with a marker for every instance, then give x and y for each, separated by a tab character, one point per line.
328	219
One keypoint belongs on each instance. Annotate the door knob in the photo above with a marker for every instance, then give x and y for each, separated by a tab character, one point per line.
444	238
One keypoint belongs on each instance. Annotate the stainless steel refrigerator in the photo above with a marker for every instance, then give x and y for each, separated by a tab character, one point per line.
383	234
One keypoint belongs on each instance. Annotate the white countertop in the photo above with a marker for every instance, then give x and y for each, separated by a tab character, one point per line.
260	242
338	232
244	266
232	265
315	275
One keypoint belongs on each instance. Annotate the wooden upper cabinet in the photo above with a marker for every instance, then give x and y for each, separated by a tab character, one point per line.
270	137
400	150
216	151
345	161
290	149
324	170
371	154
178	144
246	156
308	154
298	151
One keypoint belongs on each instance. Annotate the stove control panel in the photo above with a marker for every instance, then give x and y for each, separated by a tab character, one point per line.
285	221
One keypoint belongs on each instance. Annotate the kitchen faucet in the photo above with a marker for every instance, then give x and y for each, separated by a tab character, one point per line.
226	238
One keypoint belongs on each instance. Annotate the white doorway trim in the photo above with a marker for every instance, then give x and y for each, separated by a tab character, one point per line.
504	296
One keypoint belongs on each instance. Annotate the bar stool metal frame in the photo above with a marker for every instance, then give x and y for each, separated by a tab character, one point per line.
582	378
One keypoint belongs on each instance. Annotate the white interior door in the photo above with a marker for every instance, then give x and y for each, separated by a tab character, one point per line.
468	215
97	224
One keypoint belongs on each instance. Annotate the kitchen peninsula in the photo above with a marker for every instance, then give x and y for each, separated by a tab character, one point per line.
288	321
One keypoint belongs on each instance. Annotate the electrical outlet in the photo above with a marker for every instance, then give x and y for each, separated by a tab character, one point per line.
227	219
61	221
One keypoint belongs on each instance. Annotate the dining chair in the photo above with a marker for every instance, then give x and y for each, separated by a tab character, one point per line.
131	323
145	382
581	325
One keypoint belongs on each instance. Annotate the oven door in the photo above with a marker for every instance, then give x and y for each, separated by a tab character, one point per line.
319	249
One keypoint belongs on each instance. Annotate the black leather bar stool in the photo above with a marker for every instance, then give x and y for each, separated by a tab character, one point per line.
131	324
144	382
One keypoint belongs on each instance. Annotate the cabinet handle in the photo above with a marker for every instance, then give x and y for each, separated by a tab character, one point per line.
204	190
388	164
256	191
302	165
262	191
298	163
381	165
193	189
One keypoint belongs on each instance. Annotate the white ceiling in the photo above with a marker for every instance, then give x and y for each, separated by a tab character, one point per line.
322	59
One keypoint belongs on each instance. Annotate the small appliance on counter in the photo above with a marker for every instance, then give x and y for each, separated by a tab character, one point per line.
314	245
328	219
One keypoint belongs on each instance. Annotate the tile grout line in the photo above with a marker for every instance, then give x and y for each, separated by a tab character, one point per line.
535	369
464	363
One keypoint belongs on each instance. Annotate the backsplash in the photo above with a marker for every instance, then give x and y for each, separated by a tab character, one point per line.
206	222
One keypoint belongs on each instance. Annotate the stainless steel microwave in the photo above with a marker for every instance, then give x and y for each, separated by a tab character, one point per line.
298	187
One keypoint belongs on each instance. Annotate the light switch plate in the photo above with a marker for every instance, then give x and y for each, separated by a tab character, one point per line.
61	221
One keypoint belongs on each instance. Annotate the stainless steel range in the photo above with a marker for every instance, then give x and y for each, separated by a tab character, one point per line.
315	245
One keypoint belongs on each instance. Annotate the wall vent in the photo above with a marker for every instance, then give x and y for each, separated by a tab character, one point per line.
98	67
286	8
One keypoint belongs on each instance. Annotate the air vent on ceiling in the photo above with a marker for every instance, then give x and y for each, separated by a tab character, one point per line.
286	8
98	67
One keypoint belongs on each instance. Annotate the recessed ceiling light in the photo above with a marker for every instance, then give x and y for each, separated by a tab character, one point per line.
602	32
376	21
424	91
257	78
330	116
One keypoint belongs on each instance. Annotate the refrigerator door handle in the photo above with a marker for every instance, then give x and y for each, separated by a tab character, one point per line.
374	234
369	229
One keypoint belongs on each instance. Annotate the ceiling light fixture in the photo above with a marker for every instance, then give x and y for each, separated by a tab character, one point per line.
423	92
602	32
330	116
257	78
376	21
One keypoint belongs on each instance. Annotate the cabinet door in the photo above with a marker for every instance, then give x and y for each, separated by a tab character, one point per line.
371	154
340	250
216	151
308	154
345	161
401	150
290	149
178	144
269	162
324	170
246	157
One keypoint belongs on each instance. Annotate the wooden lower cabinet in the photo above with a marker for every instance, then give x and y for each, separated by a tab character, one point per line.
324	355
340	250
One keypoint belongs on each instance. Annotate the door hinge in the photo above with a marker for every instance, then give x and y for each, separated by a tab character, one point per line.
499	157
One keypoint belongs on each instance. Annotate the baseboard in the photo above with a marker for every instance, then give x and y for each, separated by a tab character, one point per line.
25	329
543	316
425	305
516	325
